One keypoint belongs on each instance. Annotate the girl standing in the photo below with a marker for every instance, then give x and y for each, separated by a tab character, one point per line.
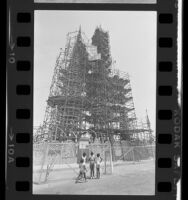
98	161
92	165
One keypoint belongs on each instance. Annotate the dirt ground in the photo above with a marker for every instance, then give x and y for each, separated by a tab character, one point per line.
127	179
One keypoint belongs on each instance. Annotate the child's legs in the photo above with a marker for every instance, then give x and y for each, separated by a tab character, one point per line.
79	176
92	170
97	172
84	175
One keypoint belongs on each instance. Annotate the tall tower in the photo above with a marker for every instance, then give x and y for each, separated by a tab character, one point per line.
86	94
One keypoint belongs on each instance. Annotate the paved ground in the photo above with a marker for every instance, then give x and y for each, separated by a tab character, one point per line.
127	179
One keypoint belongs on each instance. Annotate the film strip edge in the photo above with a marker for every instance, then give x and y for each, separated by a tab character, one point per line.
20	136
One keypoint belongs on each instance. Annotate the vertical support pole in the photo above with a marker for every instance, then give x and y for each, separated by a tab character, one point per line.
121	146
153	151
61	154
111	159
43	160
105	156
133	154
56	124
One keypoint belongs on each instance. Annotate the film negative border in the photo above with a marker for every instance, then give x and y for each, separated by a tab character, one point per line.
20	100
19	130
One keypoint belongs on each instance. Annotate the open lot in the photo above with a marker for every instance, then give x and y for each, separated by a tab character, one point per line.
127	179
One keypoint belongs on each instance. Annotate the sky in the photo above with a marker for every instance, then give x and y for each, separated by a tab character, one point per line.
132	44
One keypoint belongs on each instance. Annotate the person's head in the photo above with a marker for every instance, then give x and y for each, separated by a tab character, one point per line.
84	154
81	161
92	153
98	155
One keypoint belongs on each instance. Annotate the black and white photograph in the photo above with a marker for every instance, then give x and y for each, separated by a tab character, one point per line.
94	112
98	1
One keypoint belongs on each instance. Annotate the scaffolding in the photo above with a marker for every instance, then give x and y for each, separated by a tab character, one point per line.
88	97
70	111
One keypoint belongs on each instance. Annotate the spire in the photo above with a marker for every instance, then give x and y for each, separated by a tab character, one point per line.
79	36
148	122
79	32
147	119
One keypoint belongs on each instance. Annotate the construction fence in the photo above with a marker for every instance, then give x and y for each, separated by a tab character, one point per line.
67	152
51	156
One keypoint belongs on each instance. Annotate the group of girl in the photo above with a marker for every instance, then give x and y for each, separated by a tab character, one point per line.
94	163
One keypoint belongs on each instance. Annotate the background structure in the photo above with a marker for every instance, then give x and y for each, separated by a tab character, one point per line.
132	45
90	106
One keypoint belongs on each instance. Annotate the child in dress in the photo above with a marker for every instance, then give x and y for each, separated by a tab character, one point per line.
82	173
98	161
84	157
